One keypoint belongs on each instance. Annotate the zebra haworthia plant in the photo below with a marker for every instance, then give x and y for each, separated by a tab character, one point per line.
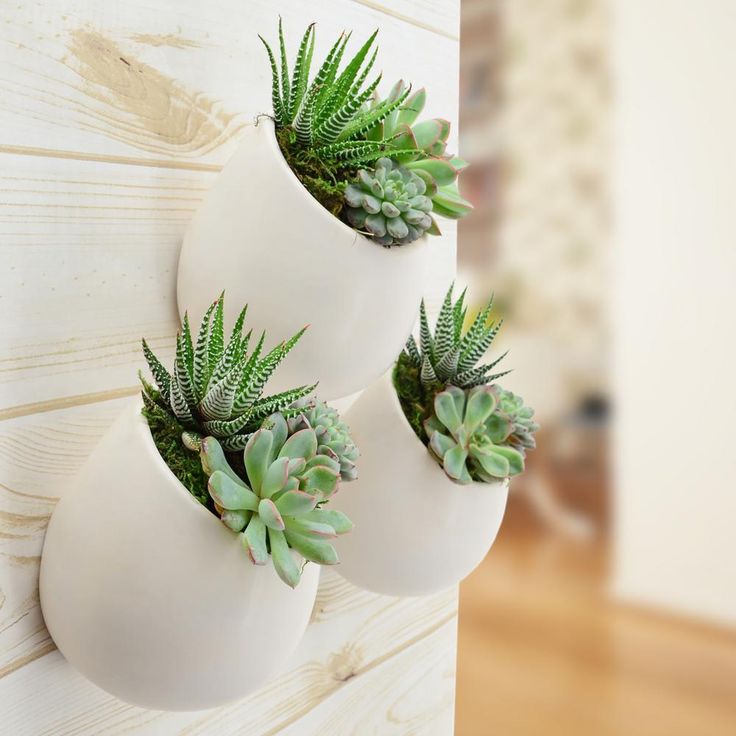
329	114
278	509
476	429
216	388
450	354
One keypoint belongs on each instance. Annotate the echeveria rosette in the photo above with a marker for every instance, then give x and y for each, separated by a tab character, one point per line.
333	435
461	442
389	204
422	148
279	508
512	422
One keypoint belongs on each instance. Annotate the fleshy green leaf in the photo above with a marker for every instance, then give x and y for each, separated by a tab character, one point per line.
231	495
254	541
287	568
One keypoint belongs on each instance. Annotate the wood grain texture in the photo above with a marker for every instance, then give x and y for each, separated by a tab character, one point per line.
91	251
80	79
114	121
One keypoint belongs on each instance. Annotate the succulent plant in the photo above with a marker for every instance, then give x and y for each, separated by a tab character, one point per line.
389	204
278	510
421	147
333	435
449	356
216	388
460	440
329	114
512	422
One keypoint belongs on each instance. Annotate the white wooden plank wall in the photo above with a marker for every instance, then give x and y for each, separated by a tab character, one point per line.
114	120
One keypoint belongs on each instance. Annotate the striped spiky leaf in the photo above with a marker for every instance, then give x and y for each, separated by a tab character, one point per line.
262	371
187	347
477	329
151	397
278	402
413	351
334	125
447	356
458	316
367	120
428	376
301	72
181	373
285	85
360	81
226	427
474	351
426	340
216	341
279	113
201	353
220	397
160	374
444	330
346	81
323	107
464	378
446	368
179	404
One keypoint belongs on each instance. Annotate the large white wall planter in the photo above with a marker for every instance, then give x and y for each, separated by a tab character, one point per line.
148	595
416	532
261	237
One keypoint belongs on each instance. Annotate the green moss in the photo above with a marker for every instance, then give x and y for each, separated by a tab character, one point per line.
326	183
184	464
415	400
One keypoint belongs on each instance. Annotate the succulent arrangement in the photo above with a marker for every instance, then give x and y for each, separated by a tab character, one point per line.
265	465
473	427
361	156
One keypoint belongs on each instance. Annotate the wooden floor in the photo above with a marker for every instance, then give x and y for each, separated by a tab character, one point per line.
543	651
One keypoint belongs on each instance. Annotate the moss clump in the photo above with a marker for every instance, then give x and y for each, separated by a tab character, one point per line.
325	183
183	463
416	401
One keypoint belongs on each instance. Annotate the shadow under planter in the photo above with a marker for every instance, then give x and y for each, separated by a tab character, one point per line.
416	531
263	238
148	595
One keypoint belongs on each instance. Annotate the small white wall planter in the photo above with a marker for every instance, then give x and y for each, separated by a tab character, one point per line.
416	532
263	238
147	593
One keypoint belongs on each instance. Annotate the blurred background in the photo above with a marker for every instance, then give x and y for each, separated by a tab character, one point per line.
608	603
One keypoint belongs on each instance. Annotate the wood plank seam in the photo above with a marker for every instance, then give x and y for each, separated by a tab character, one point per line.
408	19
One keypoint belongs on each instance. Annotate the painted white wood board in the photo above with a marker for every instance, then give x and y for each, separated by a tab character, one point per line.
114	120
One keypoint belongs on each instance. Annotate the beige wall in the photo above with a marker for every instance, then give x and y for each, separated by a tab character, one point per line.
675	304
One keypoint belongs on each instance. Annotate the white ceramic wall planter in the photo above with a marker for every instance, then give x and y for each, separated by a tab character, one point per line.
147	593
416	532
263	238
